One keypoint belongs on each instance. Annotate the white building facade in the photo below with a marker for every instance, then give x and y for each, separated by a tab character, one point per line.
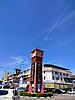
56	77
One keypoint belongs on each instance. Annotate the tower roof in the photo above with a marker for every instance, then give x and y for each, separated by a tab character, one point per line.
36	49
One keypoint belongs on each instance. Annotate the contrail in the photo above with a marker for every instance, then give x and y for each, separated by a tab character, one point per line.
55	23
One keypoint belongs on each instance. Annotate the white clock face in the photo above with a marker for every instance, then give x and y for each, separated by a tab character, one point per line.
36	53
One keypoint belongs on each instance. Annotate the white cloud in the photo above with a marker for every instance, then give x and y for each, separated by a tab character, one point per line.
16	60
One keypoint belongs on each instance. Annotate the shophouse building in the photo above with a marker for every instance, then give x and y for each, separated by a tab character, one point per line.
10	78
5	78
56	77
72	80
24	78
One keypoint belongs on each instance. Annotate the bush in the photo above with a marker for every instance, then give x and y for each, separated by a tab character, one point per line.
25	94
33	95
28	94
49	94
38	95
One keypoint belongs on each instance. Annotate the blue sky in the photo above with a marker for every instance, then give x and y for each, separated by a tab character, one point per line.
27	24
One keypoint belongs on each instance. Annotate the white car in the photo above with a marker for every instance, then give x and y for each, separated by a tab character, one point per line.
71	91
9	94
63	91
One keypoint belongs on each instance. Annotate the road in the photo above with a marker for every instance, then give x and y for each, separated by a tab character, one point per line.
56	97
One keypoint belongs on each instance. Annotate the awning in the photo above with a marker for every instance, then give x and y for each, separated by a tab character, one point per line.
65	86
57	86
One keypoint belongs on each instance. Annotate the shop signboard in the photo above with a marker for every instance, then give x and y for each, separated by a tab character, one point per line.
51	85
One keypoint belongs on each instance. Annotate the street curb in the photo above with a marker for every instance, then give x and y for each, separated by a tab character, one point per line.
35	97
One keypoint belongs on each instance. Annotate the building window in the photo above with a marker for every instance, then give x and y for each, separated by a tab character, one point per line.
56	72
53	77
44	77
52	72
57	78
60	73
66	74
61	79
63	74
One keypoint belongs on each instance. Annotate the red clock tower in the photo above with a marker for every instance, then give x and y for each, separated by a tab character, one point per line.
36	70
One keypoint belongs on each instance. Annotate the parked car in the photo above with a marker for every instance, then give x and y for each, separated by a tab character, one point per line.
9	94
72	91
59	91
6	87
63	91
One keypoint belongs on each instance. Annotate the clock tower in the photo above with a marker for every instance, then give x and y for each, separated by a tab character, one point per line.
36	71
